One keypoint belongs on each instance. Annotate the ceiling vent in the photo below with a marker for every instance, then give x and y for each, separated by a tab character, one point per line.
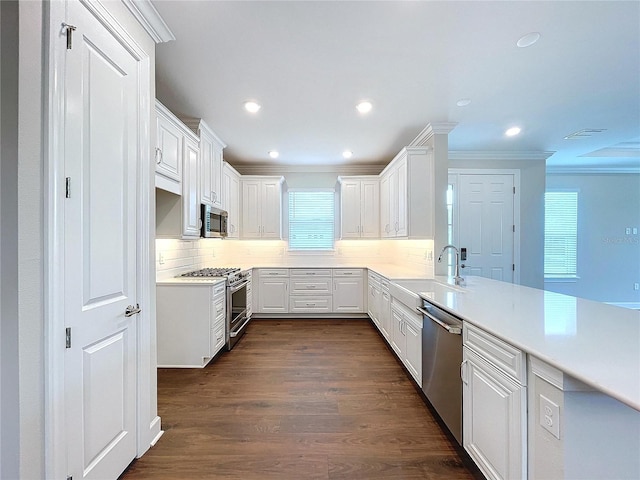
584	133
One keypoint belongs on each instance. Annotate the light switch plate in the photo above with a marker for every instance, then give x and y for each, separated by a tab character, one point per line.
550	416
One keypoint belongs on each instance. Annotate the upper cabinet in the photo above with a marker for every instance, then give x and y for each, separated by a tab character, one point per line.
261	207
406	195
170	132
360	207
231	199
210	162
177	195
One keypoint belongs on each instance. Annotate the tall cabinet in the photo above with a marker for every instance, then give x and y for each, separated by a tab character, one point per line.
231	199
261	207
360	207
406	195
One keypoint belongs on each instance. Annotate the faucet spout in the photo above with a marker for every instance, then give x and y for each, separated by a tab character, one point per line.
457	279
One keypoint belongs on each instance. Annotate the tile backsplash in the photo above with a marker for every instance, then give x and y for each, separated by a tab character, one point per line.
178	256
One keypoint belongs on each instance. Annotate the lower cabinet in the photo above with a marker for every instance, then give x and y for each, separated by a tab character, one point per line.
406	338
374	298
190	337
273	290
348	290
494	405
384	312
310	291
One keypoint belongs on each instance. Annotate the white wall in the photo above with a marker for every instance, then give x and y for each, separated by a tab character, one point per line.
532	187
608	258
9	399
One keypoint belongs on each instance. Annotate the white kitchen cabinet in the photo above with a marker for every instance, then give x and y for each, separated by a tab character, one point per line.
360	207
385	309
348	290
273	290
231	199
177	216
406	338
310	291
169	150
211	148
406	198
374	298
494	405
190	323
261	207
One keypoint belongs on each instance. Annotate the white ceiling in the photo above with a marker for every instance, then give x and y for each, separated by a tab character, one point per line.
308	63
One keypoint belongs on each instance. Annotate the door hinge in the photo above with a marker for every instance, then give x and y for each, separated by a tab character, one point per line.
70	477
514	228
514	190
69	31
513	267
67	187
67	337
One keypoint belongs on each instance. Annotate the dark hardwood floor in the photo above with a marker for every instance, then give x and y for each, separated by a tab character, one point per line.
299	399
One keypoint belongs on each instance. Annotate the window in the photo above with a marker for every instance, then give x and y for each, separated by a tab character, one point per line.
311	220
560	234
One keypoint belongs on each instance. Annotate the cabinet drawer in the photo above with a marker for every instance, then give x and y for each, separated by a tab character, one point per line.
217	339
311	272
306	286
274	272
505	357
310	304
373	278
218	310
218	289
347	272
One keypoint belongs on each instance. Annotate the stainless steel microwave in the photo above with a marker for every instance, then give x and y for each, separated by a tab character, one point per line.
214	222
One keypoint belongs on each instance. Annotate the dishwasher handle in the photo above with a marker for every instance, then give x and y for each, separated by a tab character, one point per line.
454	329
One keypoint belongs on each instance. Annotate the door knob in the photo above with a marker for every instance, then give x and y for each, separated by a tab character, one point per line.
131	310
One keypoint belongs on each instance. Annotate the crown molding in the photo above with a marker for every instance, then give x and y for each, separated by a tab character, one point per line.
363	169
150	19
499	155
562	170
434	128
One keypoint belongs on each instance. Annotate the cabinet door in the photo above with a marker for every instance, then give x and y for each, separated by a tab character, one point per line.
190	198
169	153
385	314
373	301
216	176
350	208
206	170
413	354
385	206
370	209
398	341
401	195
234	207
250	220
494	419
274	295
348	295
393	204
270	211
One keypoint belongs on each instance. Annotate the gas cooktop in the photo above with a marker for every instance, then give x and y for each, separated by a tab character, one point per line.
211	272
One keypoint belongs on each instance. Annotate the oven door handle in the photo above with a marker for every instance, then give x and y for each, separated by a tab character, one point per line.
454	329
236	331
239	286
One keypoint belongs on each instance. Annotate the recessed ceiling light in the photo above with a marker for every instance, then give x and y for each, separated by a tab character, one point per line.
463	102
364	107
528	39
512	131
274	154
252	106
347	154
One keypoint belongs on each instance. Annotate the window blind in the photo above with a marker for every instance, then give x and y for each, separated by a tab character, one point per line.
311	219
560	234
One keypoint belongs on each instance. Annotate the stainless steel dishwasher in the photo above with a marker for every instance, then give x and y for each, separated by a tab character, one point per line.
441	359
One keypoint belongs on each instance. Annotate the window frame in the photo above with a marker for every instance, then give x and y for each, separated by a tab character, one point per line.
298	251
568	276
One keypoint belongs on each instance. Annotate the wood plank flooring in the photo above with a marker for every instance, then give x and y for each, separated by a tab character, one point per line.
299	399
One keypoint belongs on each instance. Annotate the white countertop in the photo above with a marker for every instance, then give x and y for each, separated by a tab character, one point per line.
191	281
596	343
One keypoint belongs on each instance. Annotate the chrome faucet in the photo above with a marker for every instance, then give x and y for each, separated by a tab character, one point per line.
457	279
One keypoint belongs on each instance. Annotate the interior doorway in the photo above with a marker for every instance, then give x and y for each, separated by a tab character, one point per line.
483	219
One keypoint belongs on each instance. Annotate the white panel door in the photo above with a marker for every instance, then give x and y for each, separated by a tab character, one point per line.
485	225
251	218
101	159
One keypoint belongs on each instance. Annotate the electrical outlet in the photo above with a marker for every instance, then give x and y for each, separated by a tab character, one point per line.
627	231
636	286
161	258
550	416
635	230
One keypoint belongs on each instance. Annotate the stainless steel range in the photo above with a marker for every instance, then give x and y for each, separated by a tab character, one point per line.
238	313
